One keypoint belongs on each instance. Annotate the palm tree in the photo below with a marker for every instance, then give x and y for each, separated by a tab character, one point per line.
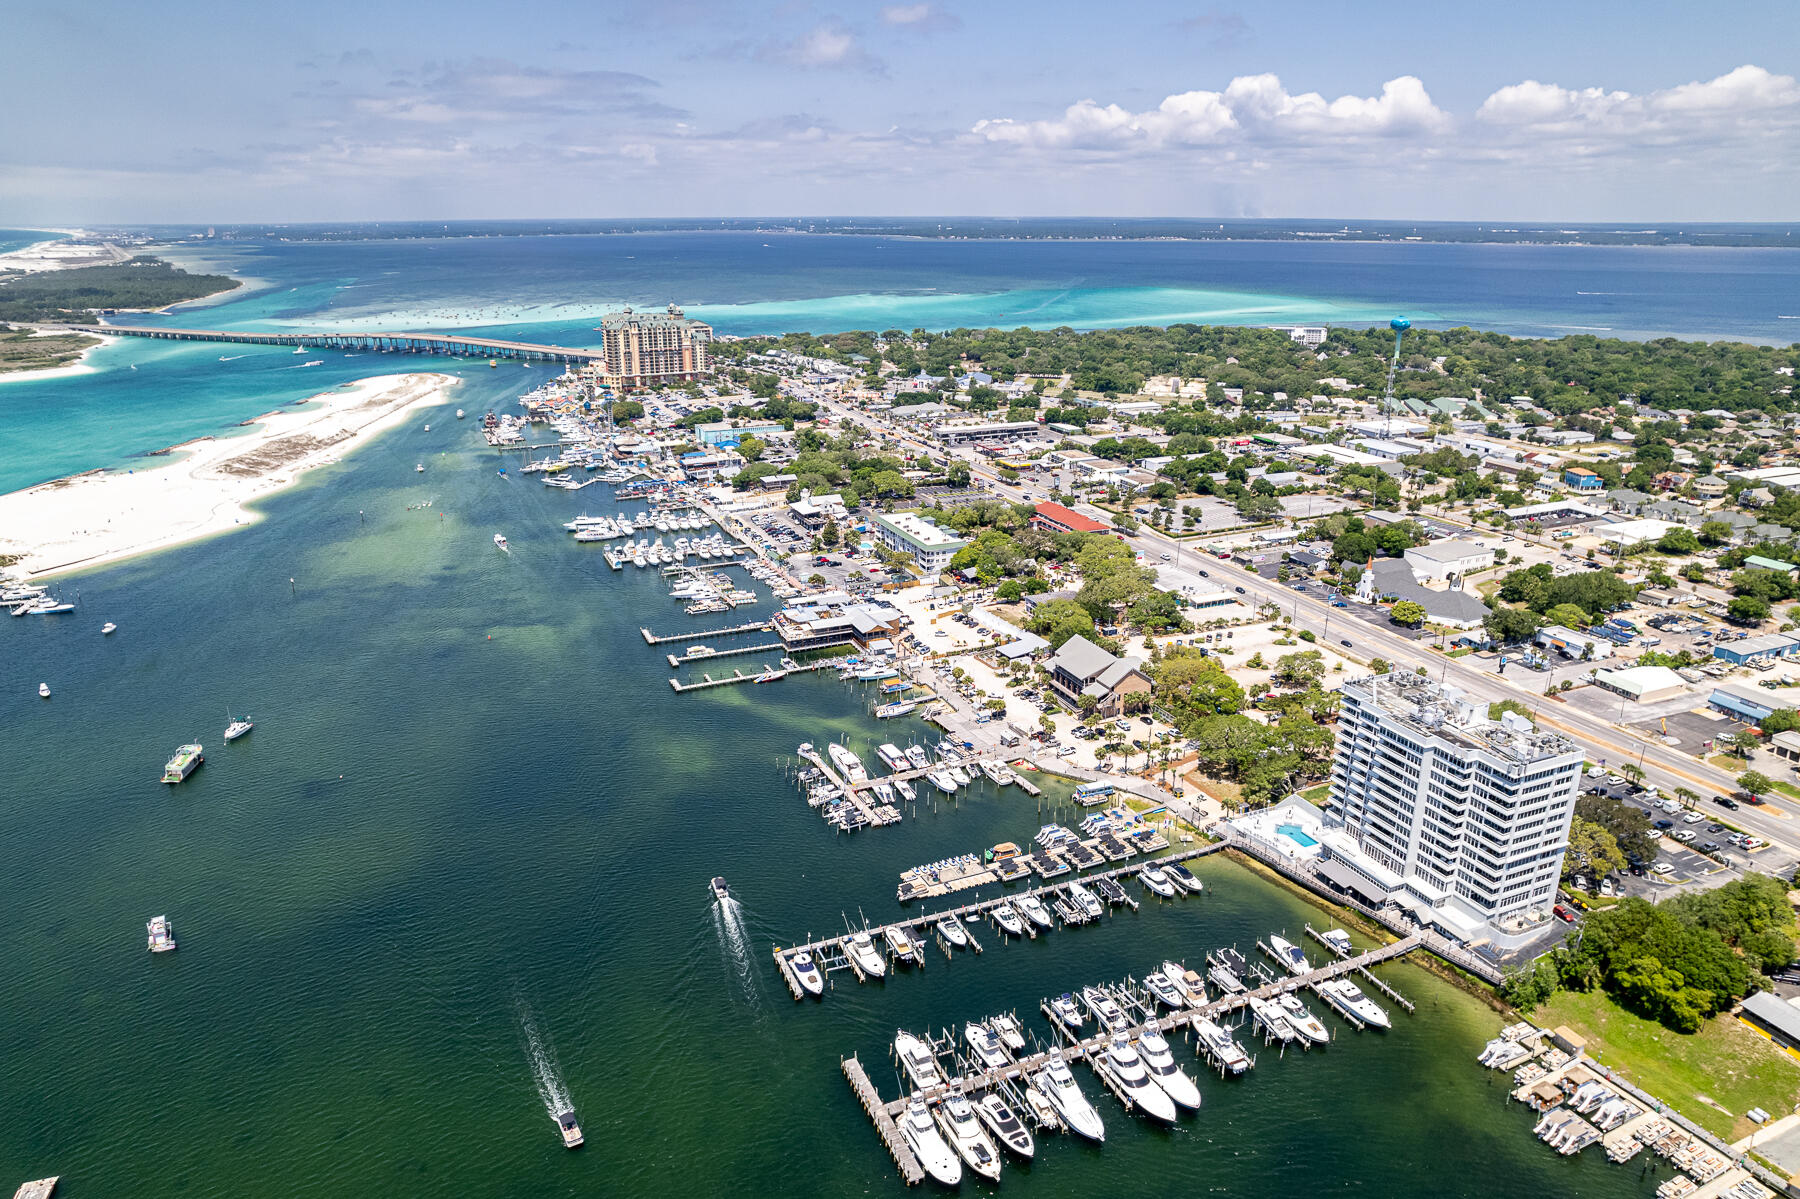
1633	771
1687	797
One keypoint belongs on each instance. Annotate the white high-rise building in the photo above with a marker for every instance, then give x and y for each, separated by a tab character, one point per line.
1472	813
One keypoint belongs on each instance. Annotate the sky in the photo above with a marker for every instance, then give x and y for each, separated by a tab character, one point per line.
209	111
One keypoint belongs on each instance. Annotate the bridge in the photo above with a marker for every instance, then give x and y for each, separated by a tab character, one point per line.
443	344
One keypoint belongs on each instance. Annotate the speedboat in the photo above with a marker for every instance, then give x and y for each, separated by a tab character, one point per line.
951	929
236	728
906	790
1183	878
868	959
1290	956
1058	1086
920	1063
1273	1020
1164	990
1008	919
571	1131
162	939
1172	1079
1007	1029
986	1044
1065	1013
921	1136
1349	1000
956	1117
1107	1012
1219	1046
44	690
500	540
1007	1128
1338	941
904	947
1122	1065
1228	971
807	971
1084	898
107	628
720	891
942	781
1157	882
459	414
1302	1021
1034	910
420	468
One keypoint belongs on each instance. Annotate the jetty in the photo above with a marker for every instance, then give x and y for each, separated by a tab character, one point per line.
690	659
755	626
773	674
41	1188
911	1172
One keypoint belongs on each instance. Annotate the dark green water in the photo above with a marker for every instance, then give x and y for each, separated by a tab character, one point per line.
471	801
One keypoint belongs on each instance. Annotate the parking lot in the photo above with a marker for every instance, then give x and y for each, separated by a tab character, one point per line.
1683	844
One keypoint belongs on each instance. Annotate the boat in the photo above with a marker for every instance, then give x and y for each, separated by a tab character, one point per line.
571	1131
1228	968
987	1046
847	763
959	775
1183	878
862	951
299	349
904	947
1008	1030
236	728
493	363
916	1058
1064	1011
1164	990
957	1118
1349	1000
921	1136
720	891
1085	900
162	938
1007	1128
1186	981
1107	1012
44	690
768	676
951	929
1033	910
1111	891
942	781
420	468
1171	1078
1338	941
1272	1019
107	628
906	790
1218	1044
1058	1086
897	708
428	428
892	756
186	758
1290	956
1008	920
1122	1066
500	540
1157	882
916	755
1302	1021
807	972
459	414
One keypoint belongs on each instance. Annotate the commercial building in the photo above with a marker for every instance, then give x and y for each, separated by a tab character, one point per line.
834	618
1583	479
1642	684
1581	646
954	434
649	349
1058	519
909	533
725	433
1769	645
1082	668
1450	556
1472	814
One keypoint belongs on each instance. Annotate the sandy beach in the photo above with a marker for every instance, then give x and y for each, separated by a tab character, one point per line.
62	255
104	516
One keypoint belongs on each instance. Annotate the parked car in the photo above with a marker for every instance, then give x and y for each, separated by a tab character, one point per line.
1662	868
1563	913
1665	824
1686	836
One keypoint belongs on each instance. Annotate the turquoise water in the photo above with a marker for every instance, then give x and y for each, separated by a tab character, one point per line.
1297	835
18	239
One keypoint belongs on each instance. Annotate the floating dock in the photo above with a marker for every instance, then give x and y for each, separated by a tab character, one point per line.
740	677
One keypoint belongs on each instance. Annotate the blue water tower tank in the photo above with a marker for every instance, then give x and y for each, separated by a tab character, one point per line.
1399	324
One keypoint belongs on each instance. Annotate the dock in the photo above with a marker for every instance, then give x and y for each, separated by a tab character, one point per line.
740	677
40	1189
774	647
755	626
911	1172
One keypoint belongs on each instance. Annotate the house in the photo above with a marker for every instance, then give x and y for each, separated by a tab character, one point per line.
1583	479
1082	668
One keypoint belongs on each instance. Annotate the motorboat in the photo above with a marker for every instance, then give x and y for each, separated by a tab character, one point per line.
459	414
186	760
1007	1029
1057	1085
868	959
905	790
420	468
951	929
916	755
162	938
807	971
108	628
500	540
1171	1078
236	728
1228	968
1064	1011
1290	956
920	1064
1338	941
1008	920
1107	1012
1122	1066
892	756
1157	882
1349	1000
1110	891
848	764
1008	1129
1302	1021
1219	1045
956	1116
1084	898
901	942
1183	878
1272	1019
942	781
1188	981
720	890
1034	910
571	1131
44	690
1163	988
986	1044
921	1136
959	774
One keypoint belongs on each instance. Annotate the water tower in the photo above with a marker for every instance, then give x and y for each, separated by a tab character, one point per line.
1399	325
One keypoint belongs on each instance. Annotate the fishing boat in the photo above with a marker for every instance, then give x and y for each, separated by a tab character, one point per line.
107	628
1302	1021
720	891
1290	956
1057	1085
862	951
236	728
987	1045
500	541
919	1062
1120	1064
1007	1028
921	1136
1218	1044
186	759
162	938
964	1132
807	971
1007	1128
571	1131
1064	1011
1170	1078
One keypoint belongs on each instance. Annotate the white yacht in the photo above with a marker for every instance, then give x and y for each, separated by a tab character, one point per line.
951	929
1007	1128
1173	1080
921	1136
862	951
107	628
1157	882
807	971
986	1044
1107	1012
905	949
1338	941
1066	1099
1219	1045
1034	910
920	1064
1302	1021
1085	900
916	755
1290	956
1008	1030
1183	878
847	763
1272	1018
892	756
565	1123
236	728
1188	982
1008	920
1164	990
1349	1000
44	690
906	790
1065	1012
959	774
1125	1069
942	781
956	1116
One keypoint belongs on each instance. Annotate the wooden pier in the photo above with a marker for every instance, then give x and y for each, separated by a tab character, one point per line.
755	626
741	677
910	1170
691	659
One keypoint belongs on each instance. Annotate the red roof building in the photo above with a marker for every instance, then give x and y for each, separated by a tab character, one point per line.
1059	519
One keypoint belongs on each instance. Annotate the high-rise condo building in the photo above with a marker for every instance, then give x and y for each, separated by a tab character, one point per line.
649	349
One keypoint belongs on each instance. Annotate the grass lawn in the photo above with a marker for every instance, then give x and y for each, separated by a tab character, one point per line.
1787	789
1728	762
1711	1077
1316	794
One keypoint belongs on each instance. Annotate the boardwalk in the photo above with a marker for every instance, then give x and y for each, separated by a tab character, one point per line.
443	344
755	626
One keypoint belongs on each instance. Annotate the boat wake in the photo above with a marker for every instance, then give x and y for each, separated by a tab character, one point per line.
734	947
233	358
541	1053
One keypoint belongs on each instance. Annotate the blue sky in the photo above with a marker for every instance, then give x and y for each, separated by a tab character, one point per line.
1579	110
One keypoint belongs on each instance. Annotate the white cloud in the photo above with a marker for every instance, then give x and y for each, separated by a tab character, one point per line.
920	18
828	45
1746	100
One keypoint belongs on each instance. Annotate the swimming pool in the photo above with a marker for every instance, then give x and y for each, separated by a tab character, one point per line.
1296	834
